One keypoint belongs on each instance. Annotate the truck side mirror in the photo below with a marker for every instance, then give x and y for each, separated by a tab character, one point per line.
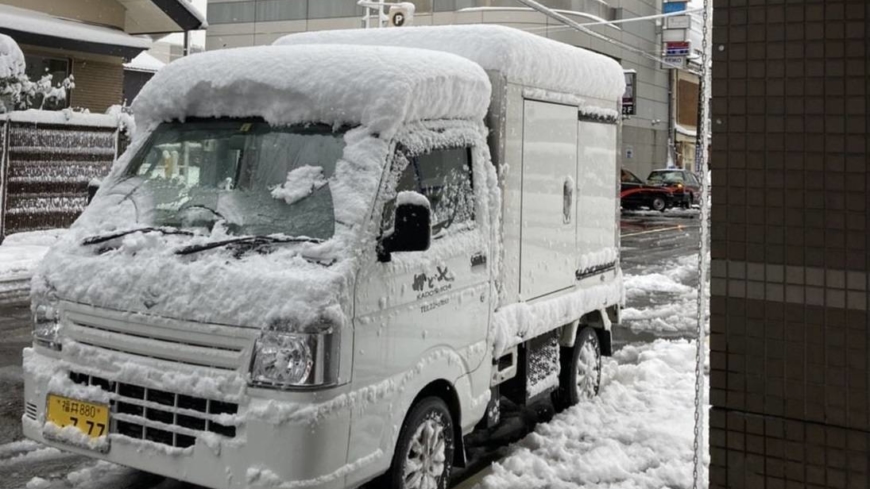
412	228
93	186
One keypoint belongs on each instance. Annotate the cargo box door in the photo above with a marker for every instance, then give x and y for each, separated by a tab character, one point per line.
597	194
548	231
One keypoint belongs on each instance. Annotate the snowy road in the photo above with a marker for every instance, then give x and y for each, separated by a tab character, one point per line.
636	434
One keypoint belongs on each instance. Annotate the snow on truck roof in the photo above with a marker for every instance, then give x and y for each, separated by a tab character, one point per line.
524	58
379	87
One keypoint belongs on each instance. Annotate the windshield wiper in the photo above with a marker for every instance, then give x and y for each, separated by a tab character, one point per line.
253	241
108	237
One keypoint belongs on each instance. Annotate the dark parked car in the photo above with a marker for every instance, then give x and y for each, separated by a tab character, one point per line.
683	185
635	193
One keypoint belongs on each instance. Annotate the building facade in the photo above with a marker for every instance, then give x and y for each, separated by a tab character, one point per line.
234	23
91	40
790	339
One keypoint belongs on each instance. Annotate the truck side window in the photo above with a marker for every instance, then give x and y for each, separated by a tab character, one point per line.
444	177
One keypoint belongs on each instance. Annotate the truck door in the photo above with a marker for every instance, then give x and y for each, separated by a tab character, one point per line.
548	231
413	309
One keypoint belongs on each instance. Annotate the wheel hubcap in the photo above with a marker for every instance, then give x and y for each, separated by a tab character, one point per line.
587	371
424	464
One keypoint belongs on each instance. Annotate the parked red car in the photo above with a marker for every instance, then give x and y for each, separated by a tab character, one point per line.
684	186
635	193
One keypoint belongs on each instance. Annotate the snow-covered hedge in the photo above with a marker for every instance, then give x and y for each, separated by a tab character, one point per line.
17	91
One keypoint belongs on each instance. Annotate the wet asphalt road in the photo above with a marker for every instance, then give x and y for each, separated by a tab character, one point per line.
649	240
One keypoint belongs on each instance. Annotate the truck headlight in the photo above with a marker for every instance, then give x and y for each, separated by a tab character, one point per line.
45	327
294	360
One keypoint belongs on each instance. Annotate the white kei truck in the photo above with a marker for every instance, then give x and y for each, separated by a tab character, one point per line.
329	261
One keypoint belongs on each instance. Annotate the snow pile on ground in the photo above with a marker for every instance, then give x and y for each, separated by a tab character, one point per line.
524	58
665	303
637	433
378	87
20	254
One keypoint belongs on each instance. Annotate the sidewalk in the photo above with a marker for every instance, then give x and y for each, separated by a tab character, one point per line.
19	255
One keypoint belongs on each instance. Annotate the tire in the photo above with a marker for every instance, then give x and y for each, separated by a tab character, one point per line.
658	204
429	417
580	377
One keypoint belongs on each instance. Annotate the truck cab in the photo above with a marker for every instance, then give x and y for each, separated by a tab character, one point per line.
325	261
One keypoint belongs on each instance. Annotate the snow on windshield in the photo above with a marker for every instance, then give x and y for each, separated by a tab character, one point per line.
301	183
207	286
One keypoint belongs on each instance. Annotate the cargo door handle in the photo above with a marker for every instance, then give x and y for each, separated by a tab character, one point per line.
478	259
567	200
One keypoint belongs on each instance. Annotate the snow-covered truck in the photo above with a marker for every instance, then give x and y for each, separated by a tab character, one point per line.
328	261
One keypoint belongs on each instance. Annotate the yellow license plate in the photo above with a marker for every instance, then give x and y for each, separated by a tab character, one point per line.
91	419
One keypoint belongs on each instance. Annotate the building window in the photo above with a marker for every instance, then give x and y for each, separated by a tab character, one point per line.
273	10
231	13
58	68
318	9
451	5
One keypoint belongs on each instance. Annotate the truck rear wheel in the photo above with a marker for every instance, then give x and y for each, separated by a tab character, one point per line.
580	376
424	452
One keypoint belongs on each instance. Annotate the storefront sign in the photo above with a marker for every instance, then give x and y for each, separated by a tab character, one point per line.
678	62
678	22
672	7
677	48
628	98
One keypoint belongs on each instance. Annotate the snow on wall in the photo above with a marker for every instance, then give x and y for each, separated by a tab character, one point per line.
523	57
51	155
63	117
378	87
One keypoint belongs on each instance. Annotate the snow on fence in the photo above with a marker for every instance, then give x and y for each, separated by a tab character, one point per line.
46	161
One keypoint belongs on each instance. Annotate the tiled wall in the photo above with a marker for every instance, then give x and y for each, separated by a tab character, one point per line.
789	321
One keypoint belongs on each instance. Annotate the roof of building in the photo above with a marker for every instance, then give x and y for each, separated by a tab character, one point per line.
378	87
142	17
144	62
524	58
162	16
41	29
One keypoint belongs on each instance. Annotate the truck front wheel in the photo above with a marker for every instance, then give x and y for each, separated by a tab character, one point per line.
424	452
580	376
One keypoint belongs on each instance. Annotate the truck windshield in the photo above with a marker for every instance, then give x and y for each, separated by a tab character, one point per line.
247	176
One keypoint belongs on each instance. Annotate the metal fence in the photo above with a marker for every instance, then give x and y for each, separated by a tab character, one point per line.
46	162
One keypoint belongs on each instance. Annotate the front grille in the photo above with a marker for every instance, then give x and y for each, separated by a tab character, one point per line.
191	344
30	410
160	416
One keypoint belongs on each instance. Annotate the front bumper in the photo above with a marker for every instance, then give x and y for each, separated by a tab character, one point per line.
270	439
